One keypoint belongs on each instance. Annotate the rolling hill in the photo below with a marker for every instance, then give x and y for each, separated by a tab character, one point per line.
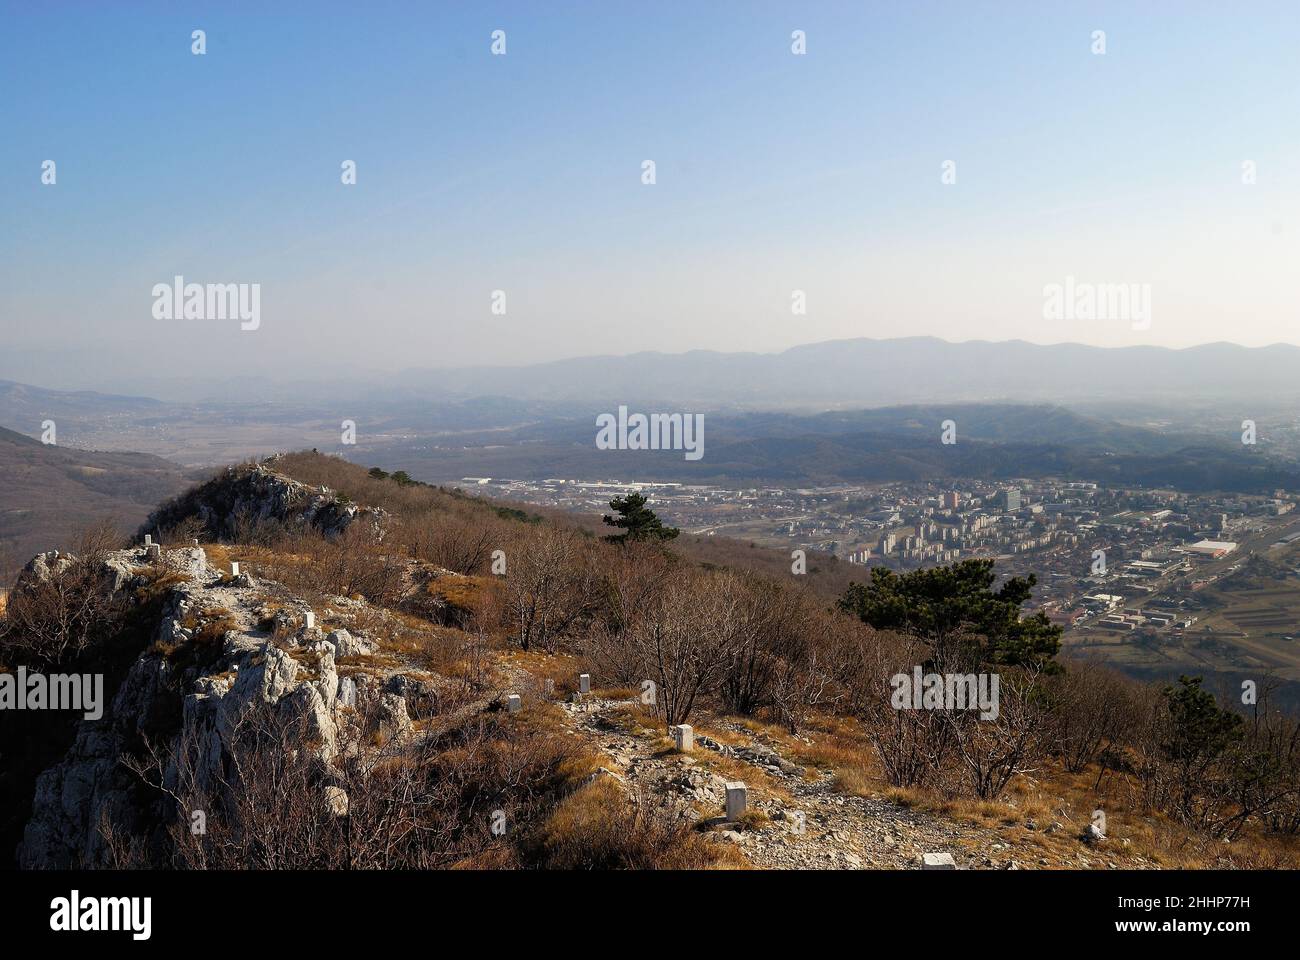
49	493
885	444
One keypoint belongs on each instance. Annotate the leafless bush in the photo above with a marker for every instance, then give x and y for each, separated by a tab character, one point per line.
455	543
365	566
421	803
355	562
910	744
688	638
994	749
254	530
182	533
815	673
53	621
631	587
1264	770
551	585
770	626
616	655
1092	708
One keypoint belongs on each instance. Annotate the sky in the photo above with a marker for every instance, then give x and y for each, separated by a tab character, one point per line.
775	172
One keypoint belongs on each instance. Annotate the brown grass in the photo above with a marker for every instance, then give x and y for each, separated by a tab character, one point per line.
463	595
599	827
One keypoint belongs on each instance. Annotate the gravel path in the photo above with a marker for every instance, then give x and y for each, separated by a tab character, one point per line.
802	824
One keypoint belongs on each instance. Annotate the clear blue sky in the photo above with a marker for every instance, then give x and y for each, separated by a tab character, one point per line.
775	172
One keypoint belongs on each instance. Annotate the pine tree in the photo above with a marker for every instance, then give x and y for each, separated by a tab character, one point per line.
637	521
957	605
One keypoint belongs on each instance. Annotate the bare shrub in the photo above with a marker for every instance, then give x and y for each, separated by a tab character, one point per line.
910	744
770	622
355	562
551	585
456	543
183	532
1267	778
994	749
422	803
252	529
631	587
814	674
53	621
688	638
1092	708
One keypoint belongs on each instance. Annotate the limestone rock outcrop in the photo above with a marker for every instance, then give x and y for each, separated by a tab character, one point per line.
245	496
196	692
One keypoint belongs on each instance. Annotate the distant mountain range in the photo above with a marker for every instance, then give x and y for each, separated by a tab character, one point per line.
836	374
841	411
864	372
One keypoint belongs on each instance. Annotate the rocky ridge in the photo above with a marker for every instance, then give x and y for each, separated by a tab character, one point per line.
258	662
244	496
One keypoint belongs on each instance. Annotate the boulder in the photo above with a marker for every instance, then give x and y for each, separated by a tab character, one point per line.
345	644
393	716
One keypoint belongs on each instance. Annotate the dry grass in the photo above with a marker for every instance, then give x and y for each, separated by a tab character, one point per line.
158	581
218	554
591	821
840	746
1048	812
600	827
753	819
1070	798
563	668
730	768
369	666
463	596
421	643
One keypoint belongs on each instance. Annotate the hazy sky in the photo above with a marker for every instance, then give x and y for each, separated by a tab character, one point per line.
523	173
